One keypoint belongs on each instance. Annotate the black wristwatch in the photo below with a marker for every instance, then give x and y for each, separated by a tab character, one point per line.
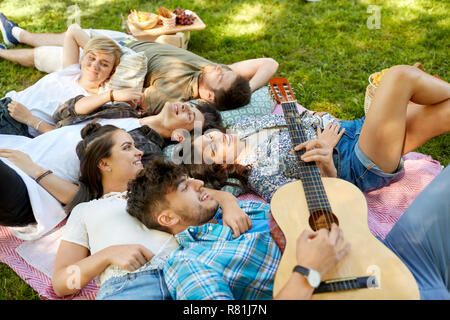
311	275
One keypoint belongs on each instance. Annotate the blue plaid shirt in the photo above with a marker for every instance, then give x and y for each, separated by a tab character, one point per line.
211	264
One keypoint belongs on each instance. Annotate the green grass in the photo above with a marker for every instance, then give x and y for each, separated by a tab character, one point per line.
325	49
14	288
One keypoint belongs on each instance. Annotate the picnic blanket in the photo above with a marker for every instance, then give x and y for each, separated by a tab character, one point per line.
386	205
33	260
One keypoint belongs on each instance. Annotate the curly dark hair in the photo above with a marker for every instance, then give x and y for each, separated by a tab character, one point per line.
147	193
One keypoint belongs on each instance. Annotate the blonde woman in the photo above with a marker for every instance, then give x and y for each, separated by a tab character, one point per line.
35	105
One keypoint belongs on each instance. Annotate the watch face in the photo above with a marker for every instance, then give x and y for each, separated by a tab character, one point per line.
313	278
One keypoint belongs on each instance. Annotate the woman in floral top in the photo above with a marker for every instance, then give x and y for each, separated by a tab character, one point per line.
366	152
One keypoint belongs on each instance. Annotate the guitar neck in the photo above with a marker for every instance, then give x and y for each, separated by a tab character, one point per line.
309	173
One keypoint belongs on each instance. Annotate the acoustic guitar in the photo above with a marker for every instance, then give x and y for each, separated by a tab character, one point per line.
370	270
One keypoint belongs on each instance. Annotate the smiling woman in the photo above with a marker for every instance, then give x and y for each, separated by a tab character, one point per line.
100	237
416	102
107	155
109	243
101	57
54	152
179	114
36	105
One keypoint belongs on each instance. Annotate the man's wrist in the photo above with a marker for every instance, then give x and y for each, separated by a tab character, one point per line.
228	205
301	278
312	276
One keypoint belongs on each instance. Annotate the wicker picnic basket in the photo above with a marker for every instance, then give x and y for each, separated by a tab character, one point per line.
370	92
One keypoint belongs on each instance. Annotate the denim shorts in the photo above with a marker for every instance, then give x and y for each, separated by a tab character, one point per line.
9	125
144	285
354	166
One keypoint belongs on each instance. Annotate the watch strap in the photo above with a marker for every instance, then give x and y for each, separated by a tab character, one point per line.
302	270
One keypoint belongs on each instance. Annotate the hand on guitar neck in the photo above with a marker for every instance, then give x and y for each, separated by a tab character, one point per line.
320	149
321	250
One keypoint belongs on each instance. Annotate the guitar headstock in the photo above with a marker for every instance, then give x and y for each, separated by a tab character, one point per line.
281	90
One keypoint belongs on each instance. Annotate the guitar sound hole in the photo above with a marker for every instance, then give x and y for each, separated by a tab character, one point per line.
323	218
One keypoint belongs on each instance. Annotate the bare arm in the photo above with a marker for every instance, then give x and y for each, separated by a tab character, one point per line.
296	288
21	114
74	39
60	189
233	215
257	71
74	267
88	104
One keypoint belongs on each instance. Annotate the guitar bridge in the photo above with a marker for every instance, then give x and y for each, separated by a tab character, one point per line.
344	284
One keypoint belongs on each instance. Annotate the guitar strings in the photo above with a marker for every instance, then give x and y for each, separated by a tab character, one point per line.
316	180
312	173
307	178
313	177
287	108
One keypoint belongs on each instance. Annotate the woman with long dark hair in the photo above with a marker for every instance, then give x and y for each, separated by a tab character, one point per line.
38	175
366	153
101	238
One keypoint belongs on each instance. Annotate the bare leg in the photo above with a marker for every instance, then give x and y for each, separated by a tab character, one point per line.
424	123
42	39
384	136
24	57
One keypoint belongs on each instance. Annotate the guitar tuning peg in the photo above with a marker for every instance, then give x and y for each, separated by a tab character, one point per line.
272	97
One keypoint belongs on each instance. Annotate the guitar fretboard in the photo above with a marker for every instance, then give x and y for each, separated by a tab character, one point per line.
309	173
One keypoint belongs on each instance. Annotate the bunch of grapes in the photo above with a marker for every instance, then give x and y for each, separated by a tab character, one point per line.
183	18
